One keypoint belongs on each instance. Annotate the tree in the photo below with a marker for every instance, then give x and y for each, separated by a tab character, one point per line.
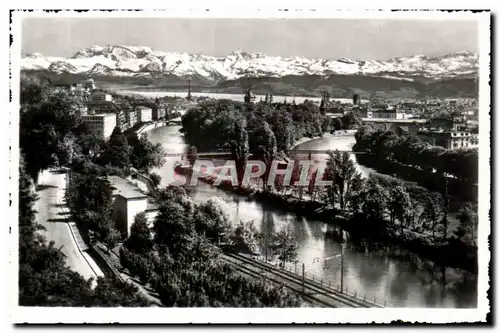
33	90
239	149
336	124
351	121
89	200
285	245
112	238
141	238
192	155
88	141
117	151
346	179
174	229
466	229
27	224
399	205
213	221
144	155
372	201
432	212
46	128
245	237
113	293
263	147
155	179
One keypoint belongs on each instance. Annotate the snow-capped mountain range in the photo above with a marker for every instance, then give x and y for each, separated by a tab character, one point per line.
122	60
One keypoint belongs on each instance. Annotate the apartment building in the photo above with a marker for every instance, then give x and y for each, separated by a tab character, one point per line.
144	114
450	124
122	120
132	118
99	96
450	140
102	124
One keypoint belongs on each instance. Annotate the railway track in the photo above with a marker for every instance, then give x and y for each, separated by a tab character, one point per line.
259	275
313	292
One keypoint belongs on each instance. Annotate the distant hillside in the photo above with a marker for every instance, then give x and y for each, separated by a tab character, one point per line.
303	85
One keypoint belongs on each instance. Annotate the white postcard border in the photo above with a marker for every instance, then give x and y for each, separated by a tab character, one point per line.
266	315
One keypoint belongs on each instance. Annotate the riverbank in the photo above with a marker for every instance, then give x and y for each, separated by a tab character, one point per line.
150	126
337	133
451	253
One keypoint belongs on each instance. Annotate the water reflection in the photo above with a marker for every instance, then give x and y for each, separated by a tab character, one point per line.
399	277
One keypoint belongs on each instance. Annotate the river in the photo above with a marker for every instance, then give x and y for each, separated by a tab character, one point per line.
399	282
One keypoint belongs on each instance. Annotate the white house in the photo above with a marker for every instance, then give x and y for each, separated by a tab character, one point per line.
129	201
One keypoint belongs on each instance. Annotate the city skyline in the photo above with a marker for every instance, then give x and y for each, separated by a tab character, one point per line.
357	39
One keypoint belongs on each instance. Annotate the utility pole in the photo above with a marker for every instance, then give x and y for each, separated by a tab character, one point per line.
303	277
266	243
445	217
342	269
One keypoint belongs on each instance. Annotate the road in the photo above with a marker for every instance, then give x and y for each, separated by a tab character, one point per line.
51	187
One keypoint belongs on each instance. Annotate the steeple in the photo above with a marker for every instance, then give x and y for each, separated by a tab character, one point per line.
189	90
249	96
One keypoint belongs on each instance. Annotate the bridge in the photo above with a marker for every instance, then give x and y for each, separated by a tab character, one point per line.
176	121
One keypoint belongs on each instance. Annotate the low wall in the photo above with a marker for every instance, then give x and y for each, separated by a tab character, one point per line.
344	132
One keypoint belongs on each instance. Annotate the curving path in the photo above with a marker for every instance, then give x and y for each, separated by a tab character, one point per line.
54	217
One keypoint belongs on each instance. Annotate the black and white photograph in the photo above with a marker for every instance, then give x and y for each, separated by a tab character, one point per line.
249	166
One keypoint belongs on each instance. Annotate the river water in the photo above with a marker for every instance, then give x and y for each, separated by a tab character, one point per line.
399	282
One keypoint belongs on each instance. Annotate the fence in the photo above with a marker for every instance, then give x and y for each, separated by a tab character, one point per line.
321	282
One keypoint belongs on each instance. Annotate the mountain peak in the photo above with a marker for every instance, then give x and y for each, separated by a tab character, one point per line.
127	60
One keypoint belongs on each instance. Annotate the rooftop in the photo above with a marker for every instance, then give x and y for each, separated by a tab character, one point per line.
401	121
124	188
99	115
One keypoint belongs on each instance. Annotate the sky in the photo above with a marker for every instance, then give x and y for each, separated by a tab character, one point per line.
319	38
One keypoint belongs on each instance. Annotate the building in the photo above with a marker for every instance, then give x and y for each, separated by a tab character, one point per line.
144	114
89	84
355	99
158	112
411	126
450	140
101	124
128	201
452	124
189	97
249	96
122	120
99	96
102	107
387	113
132	118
